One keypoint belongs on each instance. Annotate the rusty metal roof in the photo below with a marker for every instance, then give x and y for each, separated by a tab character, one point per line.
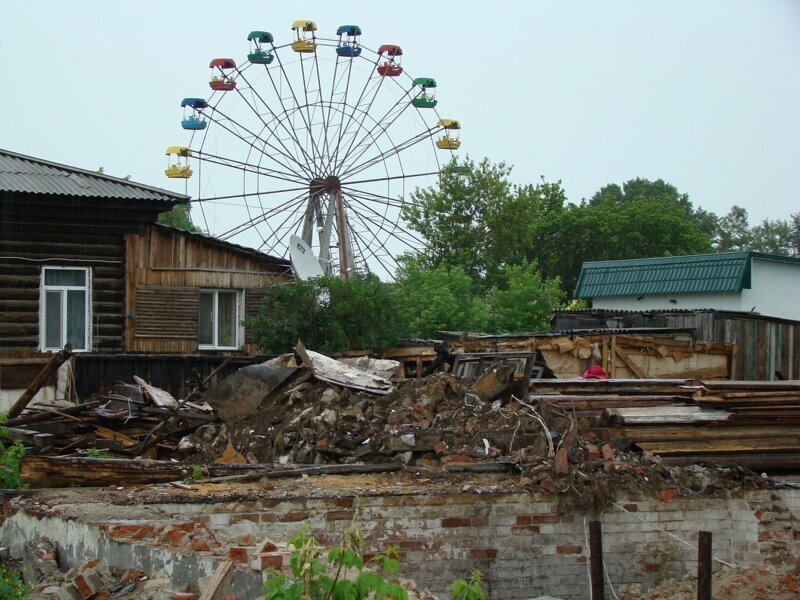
25	174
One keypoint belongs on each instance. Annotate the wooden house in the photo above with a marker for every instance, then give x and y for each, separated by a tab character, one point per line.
82	261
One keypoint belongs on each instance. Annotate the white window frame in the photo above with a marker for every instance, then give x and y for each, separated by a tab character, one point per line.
215	329
44	288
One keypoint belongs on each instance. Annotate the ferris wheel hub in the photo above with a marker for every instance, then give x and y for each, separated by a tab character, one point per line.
325	185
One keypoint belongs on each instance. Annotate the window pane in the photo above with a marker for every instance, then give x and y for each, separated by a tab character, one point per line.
76	319
226	307
52	320
206	319
75	277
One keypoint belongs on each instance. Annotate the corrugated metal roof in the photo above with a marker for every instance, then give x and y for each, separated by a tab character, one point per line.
723	272
25	174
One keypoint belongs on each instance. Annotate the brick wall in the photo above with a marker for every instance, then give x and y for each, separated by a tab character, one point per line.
521	542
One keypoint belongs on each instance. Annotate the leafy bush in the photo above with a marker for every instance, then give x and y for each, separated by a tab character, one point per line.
10	461
329	314
12	587
311	579
471	590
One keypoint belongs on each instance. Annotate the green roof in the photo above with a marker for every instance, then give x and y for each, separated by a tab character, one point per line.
723	272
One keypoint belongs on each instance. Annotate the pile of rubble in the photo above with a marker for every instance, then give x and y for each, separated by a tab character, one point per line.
94	579
288	414
310	410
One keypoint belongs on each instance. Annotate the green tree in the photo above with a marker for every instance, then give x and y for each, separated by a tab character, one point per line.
773	236
638	220
437	298
733	230
452	218
329	314
179	217
477	220
526	301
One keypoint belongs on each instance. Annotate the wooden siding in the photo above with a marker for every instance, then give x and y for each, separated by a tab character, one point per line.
167	268
159	309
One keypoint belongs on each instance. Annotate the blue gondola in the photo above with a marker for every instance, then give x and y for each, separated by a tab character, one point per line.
193	120
349	45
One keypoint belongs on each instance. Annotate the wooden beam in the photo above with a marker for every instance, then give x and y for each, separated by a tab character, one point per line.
219	585
626	358
51	367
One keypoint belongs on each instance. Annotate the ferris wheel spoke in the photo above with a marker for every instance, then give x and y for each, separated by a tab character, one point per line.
247	167
359	242
256	136
378	219
394	151
371	140
372	243
252	194
291	132
281	240
343	103
342	127
310	121
402	235
403	103
359	123
378	179
262	217
385	200
297	104
325	118
308	160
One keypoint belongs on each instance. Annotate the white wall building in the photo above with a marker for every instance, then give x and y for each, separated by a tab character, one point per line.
735	281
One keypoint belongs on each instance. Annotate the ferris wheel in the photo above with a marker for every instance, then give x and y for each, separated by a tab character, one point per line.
318	141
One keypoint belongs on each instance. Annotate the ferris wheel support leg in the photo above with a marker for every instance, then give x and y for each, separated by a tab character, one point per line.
345	251
308	220
325	236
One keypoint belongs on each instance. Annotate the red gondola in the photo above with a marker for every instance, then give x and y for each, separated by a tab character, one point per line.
391	65
220	80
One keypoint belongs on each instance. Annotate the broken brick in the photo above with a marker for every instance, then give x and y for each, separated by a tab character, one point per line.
549	486
561	462
608	452
270	560
238	554
175	537
88	583
456	458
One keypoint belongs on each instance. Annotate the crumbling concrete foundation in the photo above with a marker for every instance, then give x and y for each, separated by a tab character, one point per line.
524	544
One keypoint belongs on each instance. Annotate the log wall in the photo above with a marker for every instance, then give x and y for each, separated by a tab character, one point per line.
38	231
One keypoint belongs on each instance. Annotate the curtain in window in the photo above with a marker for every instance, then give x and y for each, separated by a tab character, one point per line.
206	319
52	319
226	309
76	318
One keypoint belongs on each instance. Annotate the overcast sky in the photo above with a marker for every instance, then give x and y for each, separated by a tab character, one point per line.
704	94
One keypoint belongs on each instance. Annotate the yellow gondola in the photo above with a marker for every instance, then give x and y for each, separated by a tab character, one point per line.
178	168
303	42
449	141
